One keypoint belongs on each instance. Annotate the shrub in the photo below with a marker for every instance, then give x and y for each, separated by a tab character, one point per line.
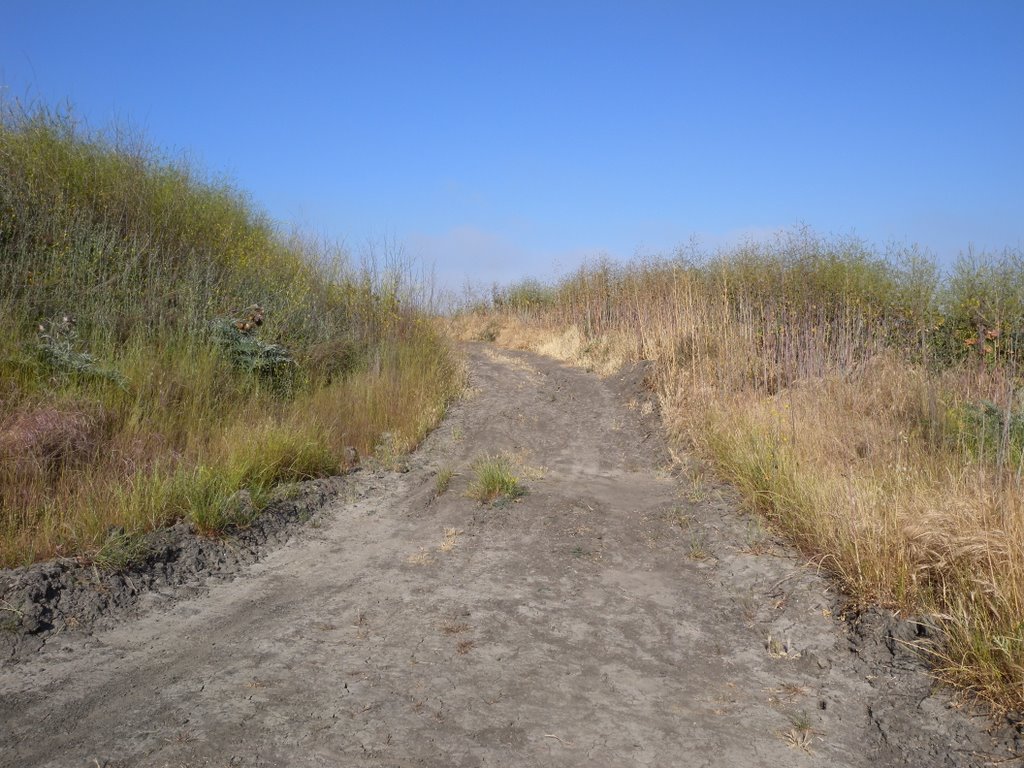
270	363
55	347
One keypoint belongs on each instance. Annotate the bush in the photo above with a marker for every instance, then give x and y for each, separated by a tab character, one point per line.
55	347
270	363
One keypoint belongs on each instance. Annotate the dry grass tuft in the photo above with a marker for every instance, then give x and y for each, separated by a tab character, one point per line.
455	627
451	535
423	557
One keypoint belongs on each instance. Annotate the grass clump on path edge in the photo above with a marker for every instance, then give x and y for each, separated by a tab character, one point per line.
167	347
866	404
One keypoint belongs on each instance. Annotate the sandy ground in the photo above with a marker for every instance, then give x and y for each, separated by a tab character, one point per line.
621	613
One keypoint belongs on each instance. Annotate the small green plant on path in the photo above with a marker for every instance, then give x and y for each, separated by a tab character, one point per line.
699	547
494	480
443	480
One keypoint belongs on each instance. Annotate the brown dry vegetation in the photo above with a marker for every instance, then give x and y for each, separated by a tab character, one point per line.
165	346
871	410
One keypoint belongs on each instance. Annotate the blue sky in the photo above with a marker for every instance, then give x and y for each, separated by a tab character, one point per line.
503	139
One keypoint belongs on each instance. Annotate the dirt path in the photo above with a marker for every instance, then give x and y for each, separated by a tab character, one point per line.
615	616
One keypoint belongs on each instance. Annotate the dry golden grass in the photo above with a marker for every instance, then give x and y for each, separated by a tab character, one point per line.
423	557
848	417
451	536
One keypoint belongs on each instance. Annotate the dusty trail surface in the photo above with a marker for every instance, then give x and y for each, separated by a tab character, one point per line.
619	614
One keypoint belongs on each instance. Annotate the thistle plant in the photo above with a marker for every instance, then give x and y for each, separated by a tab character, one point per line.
56	343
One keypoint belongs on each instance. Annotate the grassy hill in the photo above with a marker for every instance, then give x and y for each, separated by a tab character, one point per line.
871	408
166	346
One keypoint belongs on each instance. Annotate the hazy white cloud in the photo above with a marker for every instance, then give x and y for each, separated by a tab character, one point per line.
467	253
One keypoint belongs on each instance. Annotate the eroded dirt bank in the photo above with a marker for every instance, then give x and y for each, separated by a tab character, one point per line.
619	614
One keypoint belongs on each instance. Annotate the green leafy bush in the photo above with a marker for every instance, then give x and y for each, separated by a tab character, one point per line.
56	349
247	353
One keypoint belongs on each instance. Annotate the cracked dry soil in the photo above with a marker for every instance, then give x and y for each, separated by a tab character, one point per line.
619	614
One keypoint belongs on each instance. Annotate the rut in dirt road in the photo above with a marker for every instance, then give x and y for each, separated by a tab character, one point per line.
619	614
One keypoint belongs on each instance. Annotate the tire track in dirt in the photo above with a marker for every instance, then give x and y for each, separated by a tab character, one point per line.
619	614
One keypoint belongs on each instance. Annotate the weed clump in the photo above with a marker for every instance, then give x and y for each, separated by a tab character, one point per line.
267	362
494	480
443	480
56	348
121	550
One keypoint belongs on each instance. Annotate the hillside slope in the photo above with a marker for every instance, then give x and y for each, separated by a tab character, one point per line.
167	347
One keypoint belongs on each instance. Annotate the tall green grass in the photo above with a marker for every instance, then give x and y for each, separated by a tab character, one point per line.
166	345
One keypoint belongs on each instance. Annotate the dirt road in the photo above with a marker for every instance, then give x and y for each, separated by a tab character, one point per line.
619	614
